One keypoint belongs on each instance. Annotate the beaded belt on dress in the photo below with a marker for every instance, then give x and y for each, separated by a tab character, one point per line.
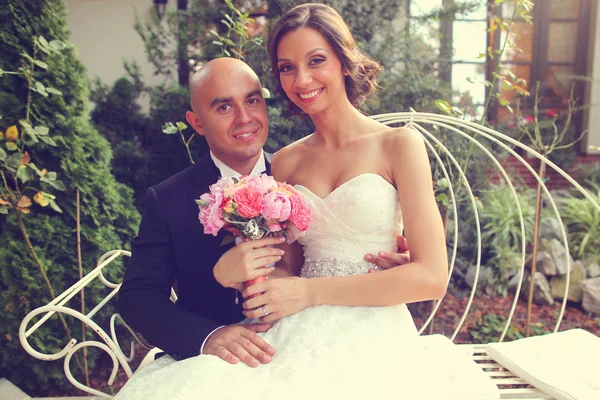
334	267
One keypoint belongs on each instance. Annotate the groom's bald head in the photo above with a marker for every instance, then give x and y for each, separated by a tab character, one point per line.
229	111
217	70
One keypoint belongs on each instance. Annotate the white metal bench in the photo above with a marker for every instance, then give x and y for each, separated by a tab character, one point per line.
511	386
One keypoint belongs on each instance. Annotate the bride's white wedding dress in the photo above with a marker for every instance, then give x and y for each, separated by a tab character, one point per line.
333	352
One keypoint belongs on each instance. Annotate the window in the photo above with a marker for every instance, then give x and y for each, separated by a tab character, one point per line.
553	49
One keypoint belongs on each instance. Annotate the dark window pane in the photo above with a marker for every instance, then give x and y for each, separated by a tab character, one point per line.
561	9
522	40
469	39
557	84
562	42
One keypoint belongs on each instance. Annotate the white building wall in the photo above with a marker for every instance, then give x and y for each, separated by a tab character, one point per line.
592	121
103	33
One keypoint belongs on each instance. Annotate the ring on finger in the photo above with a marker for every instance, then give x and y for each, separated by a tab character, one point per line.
264	310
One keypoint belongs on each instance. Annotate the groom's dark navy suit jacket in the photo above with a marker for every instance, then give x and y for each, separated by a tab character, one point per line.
171	244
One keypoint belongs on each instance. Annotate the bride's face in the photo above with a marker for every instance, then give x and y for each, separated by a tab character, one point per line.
309	70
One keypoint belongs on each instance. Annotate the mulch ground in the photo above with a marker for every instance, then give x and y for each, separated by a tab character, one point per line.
445	322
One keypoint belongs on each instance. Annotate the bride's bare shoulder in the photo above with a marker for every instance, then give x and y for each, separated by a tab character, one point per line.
402	138
286	159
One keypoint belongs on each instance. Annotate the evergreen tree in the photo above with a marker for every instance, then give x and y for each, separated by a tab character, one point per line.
81	157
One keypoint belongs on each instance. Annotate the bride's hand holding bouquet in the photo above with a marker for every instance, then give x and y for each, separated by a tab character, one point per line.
253	208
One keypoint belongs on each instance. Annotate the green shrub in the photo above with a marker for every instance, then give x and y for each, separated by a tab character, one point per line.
81	159
583	223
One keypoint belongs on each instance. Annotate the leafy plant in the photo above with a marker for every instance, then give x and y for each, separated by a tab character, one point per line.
236	39
583	223
490	326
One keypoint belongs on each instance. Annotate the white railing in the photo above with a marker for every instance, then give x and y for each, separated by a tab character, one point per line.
419	121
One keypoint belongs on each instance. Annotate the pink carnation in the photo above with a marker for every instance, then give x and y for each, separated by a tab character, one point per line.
249	202
275	227
221	185
211	215
276	206
263	183
300	213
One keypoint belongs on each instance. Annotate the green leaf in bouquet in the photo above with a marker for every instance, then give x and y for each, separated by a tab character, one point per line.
181	126
227	240
11	146
201	203
3	155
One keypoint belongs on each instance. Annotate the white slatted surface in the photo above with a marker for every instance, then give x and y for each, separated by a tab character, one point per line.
510	385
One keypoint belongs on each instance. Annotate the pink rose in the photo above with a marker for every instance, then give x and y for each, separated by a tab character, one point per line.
211	215
276	206
300	214
249	202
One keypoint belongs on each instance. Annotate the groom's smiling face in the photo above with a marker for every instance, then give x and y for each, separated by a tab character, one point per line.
229	110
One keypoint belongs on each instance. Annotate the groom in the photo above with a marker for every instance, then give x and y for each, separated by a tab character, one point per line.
229	111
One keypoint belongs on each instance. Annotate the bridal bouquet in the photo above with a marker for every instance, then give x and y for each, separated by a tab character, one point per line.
253	207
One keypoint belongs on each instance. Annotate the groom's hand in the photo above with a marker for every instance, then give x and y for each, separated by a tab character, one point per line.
246	261
235	343
387	260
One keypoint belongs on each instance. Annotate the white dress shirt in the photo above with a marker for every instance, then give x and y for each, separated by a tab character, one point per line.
228	172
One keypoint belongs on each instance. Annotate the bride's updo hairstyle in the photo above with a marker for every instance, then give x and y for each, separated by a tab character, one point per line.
361	69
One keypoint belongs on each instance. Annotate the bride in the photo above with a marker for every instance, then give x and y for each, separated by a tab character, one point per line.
339	331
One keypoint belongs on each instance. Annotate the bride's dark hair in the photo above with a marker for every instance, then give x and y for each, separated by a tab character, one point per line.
361	69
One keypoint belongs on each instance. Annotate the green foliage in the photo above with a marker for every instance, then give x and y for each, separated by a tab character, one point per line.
583	223
590	175
82	159
234	43
490	326
501	229
142	154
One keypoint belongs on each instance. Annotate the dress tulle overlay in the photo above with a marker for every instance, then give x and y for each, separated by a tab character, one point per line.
333	352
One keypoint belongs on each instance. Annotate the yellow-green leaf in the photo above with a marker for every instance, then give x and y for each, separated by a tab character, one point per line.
11	146
41	199
12	133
